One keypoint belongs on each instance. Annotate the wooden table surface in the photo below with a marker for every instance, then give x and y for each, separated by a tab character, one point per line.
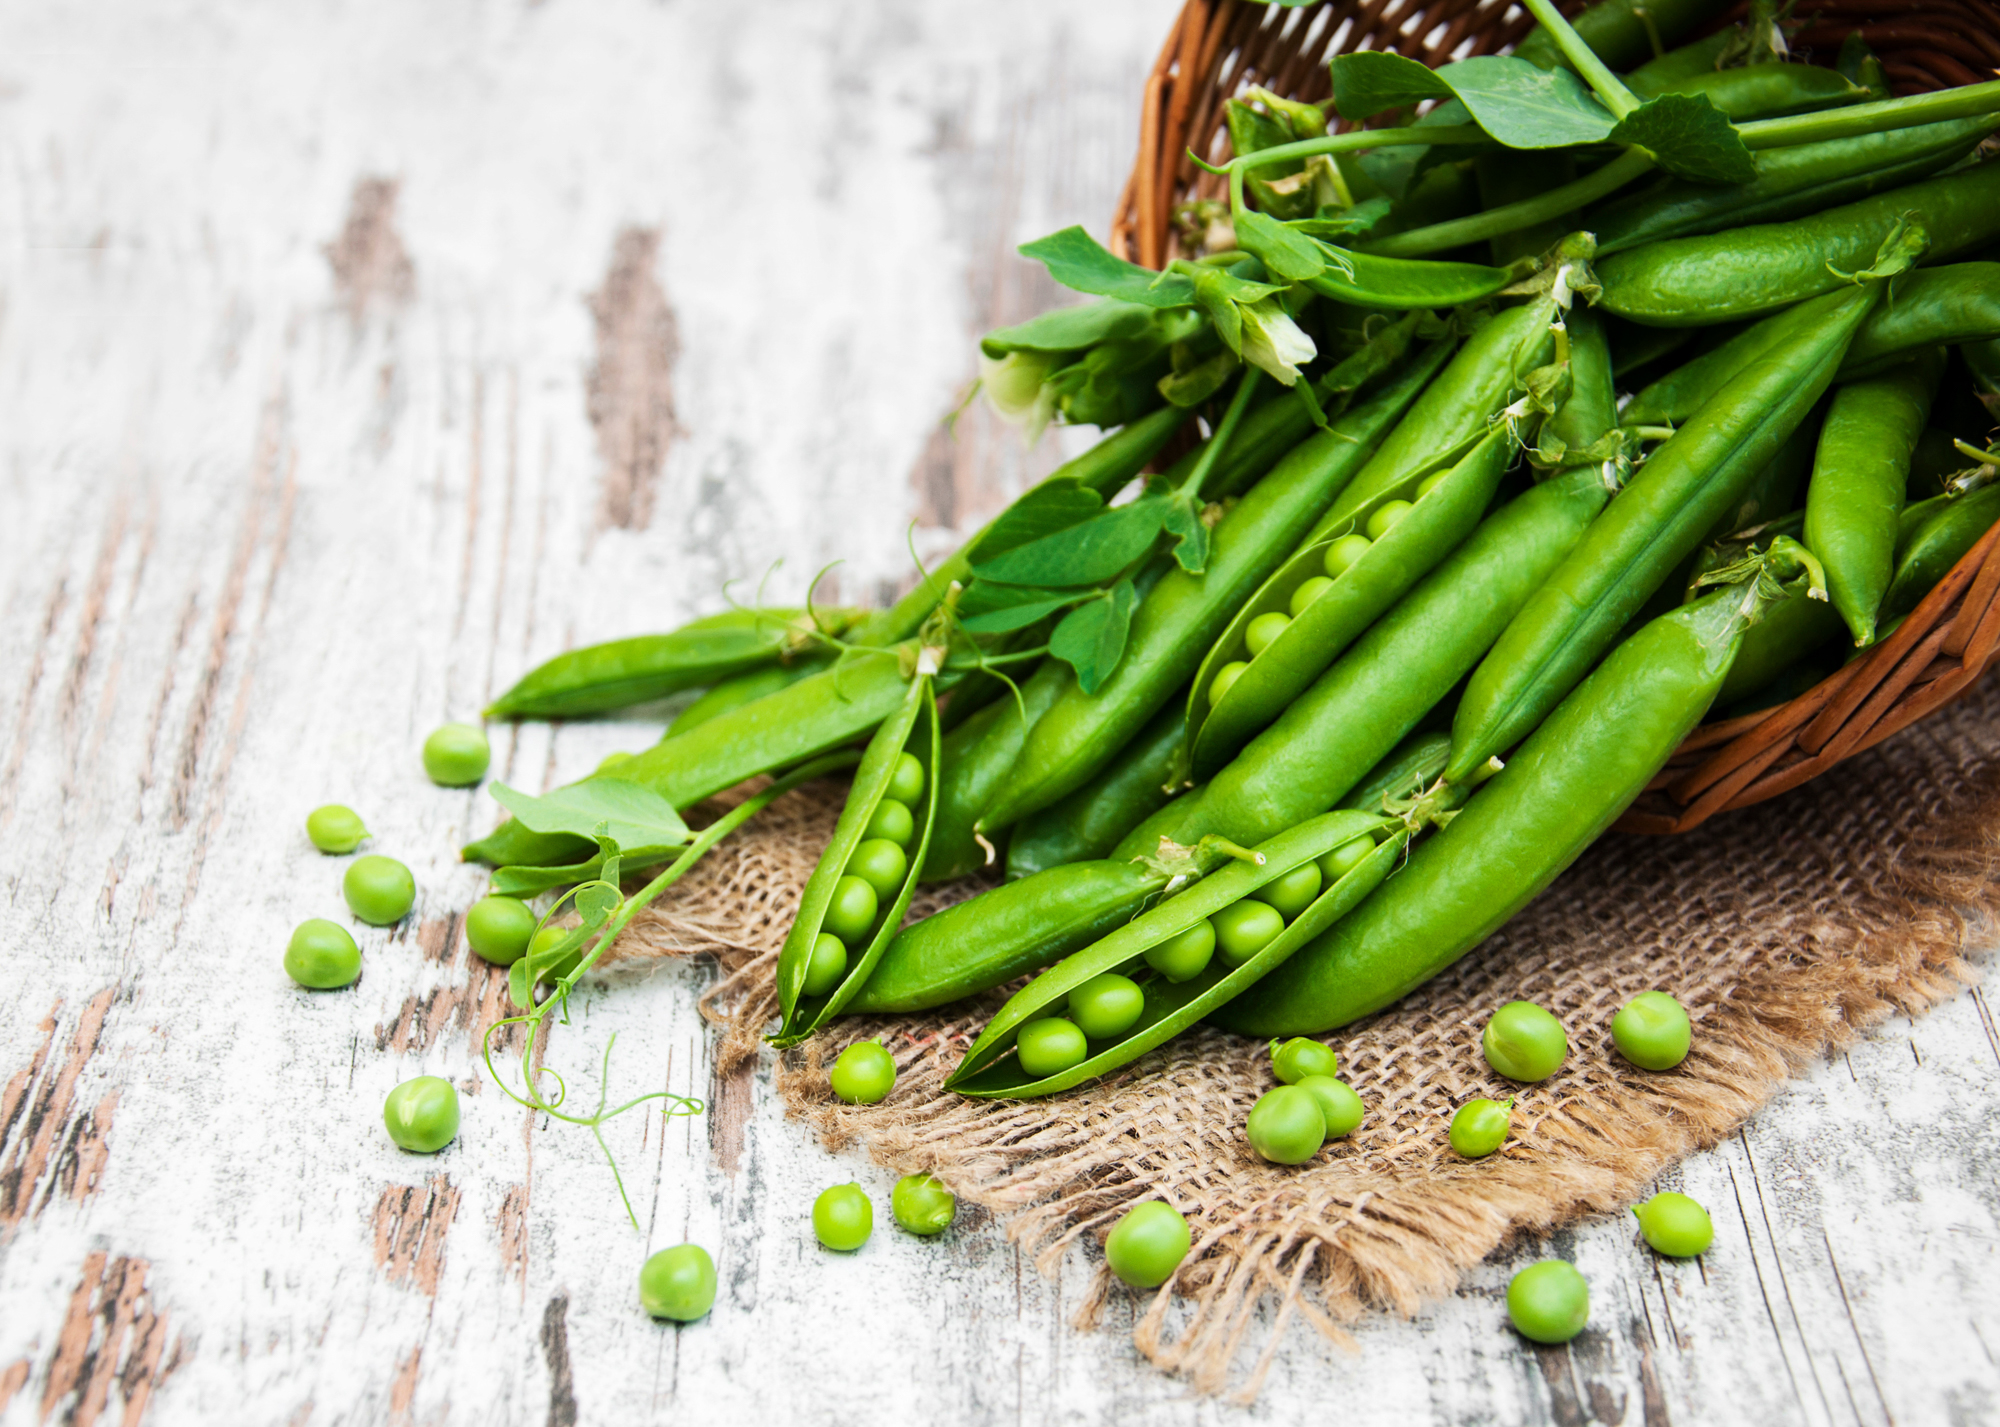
354	357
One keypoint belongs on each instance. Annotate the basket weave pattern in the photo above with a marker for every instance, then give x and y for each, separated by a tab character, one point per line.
1218	48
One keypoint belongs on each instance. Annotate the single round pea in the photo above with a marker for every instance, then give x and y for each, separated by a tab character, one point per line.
678	1283
1050	1046
1308	592
922	1205
843	1218
1106	1005
1675	1225
1218	687
1652	1031
1295	1059
891	820
852	910
1523	1041
605	765
1480	1127
1432	482
422	1114
1293	892
322	955
1343	553
1549	1302
1148	1244
1263	631
1187	955
1339	1106
1286	1125
827	964
547	939
457	755
499	928
335	828
1245	928
1345	858
379	890
863	1073
880	863
906	780
1386	515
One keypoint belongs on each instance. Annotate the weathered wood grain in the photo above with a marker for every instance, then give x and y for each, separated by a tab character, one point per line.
357	357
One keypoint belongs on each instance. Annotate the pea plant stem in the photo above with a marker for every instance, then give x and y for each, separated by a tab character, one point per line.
1219	442
1352	139
1457	232
1964	102
1608	87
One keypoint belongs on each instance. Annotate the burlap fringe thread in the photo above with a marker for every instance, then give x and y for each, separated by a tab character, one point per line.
1787	929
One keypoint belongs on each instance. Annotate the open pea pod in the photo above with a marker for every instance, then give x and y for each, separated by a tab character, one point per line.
1171	1007
1262	686
830	894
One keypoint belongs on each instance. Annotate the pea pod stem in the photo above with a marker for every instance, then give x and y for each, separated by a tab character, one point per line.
1231	419
1342	143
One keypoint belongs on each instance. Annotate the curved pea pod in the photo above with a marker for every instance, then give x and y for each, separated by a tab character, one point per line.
913	729
1937	544
974	762
1860	474
1089	822
1689	484
744	688
1403	283
1696	282
1430	530
602	677
1770	90
1587	762
1169	1007
1959	302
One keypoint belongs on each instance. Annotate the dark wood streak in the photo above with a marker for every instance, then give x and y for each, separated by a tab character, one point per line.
45	1145
411	1225
555	1351
368	260
631	387
113	1335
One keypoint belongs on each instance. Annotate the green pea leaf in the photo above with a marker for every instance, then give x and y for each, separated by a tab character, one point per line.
596	902
1525	106
1184	523
1690	138
1091	639
1193	385
1070	329
1369	81
1052	506
1088	553
631	815
1361	218
988	607
1291	255
1079	261
520	881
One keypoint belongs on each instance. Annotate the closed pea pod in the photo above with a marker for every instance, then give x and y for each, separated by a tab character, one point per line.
974	762
1089	822
1937	543
733	693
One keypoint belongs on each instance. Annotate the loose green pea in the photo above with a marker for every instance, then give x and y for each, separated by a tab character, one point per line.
1293	892
678	1283
1286	1125
422	1114
605	765
1050	1046
379	890
843	1218
1148	1244
827	964
1339	1106
1652	1031
1264	630
457	755
1245	928
1675	1225
322	955
1218	687
1106	1006
906	781
892	820
1306	593
852	910
1522	1041
499	928
880	863
1295	1059
1344	552
1187	955
922	1205
1386	515
864	1073
1345	858
1480	1127
1549	1302
1432	482
547	939
335	828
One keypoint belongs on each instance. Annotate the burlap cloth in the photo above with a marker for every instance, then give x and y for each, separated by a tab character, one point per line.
1787	930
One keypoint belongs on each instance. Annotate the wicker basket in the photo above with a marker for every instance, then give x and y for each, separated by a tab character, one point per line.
1217	48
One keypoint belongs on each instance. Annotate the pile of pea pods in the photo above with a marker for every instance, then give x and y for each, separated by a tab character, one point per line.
1460	469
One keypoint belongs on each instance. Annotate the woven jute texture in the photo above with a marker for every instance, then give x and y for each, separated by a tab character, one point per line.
1787	929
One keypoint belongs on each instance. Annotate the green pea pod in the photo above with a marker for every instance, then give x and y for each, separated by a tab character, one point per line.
1674	500
1267	683
1403	283
1767	91
1695	282
1089	822
913	729
1936	545
1583	767
1982	358
602	677
974	762
1623	33
1170	1007
1665	72
744	688
1927	308
1859	477
1409	768
1183	613
1792	631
